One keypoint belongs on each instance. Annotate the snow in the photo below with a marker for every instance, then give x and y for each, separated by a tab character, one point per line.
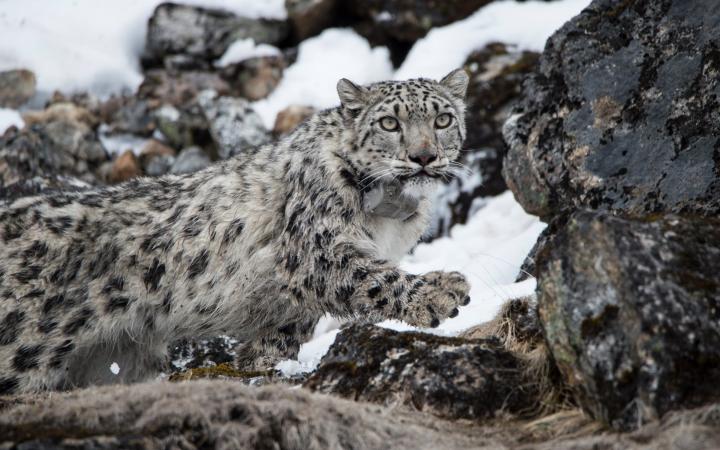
526	25
488	250
243	49
115	368
79	45
311	80
8	118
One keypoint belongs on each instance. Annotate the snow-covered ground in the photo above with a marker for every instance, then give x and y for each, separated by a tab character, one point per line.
8	118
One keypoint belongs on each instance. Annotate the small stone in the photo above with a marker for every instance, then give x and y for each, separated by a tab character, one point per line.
16	88
255	78
189	160
156	158
125	167
289	118
234	125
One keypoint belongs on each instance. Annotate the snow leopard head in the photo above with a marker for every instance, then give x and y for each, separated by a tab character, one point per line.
407	131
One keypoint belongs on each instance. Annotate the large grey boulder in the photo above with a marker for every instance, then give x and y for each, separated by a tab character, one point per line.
183	36
631	312
623	113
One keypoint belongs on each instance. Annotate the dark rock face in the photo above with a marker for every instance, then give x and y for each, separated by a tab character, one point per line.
185	37
16	87
631	313
496	75
449	377
623	111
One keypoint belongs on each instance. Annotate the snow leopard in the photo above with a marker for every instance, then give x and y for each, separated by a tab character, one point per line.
259	246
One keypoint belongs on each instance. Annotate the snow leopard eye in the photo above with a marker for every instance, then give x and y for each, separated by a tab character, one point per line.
389	123
443	120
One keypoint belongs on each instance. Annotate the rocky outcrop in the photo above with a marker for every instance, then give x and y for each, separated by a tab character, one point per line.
58	141
631	312
448	377
189	37
496	74
623	113
16	87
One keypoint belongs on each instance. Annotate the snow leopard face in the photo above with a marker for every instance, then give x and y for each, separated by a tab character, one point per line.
409	131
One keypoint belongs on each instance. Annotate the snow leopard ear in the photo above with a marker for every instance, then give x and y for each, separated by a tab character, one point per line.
456	82
351	95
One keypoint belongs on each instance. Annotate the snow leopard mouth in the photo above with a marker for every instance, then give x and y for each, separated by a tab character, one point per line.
422	174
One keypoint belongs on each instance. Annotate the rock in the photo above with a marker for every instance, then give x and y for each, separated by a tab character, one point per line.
189	160
631	312
310	17
180	88
448	377
156	158
234	125
159	165
255	78
184	127
16	88
623	110
187	354
61	146
183	37
132	116
290	117
125	167
217	414
62	112
496	73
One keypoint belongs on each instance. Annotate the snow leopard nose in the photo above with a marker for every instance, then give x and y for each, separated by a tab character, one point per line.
423	158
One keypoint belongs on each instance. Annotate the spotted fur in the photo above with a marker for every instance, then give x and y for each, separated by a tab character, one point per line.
259	246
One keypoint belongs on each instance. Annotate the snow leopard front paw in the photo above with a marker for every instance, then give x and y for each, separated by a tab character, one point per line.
436	298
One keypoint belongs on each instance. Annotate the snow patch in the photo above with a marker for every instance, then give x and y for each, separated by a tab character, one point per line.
526	25
243	49
115	368
322	60
9	118
91	45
